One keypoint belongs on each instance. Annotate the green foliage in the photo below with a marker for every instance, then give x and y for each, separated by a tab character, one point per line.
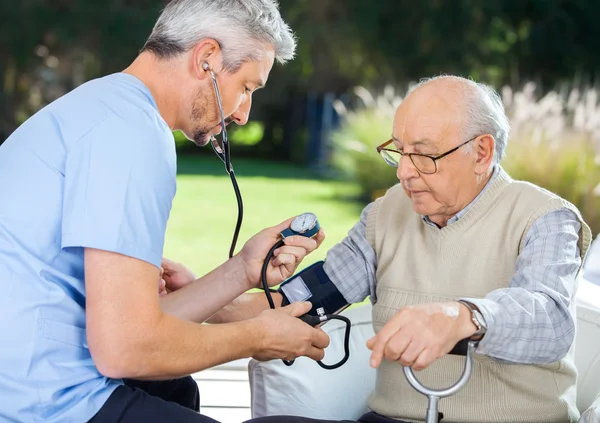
48	47
247	135
497	41
569	169
355	155
554	144
361	131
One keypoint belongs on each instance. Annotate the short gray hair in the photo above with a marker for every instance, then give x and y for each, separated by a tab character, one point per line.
484	112
241	27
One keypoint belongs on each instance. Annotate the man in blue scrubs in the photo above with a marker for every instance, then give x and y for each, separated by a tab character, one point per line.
87	185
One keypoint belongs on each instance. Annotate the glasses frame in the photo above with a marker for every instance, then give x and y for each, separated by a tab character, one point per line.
383	146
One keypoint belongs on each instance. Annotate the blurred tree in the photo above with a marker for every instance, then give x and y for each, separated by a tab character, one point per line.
361	41
47	47
557	38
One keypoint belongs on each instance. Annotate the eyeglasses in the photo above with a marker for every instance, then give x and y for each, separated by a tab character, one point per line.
423	163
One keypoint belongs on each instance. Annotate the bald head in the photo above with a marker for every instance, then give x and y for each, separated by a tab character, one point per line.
434	111
473	108
446	82
451	89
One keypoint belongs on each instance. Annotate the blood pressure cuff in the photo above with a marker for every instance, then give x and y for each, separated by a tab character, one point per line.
312	284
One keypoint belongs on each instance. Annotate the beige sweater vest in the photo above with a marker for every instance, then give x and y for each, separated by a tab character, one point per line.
419	263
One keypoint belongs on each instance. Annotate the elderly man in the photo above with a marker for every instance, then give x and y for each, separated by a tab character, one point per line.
87	185
460	250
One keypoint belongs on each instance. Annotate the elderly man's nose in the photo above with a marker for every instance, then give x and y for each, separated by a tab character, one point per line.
406	169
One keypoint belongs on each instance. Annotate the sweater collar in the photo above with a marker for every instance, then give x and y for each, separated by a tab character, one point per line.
464	211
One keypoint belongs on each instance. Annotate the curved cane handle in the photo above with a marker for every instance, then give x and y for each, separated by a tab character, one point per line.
441	393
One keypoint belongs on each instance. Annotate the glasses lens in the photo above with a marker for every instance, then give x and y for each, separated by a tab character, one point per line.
423	163
390	157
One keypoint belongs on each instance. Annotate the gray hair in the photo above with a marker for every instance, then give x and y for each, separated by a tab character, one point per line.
241	27
484	112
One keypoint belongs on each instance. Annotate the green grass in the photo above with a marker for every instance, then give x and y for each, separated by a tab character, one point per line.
205	210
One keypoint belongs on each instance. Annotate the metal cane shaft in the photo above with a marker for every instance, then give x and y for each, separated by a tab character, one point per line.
432	409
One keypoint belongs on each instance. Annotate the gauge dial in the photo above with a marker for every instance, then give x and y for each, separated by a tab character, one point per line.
304	222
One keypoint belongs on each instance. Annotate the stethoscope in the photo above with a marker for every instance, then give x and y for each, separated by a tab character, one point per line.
296	228
222	152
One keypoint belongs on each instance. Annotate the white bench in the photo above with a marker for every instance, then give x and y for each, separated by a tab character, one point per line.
225	392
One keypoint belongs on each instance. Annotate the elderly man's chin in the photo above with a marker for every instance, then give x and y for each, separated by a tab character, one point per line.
421	203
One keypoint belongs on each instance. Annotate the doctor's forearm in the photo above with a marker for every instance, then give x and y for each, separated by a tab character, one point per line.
245	307
170	348
204	297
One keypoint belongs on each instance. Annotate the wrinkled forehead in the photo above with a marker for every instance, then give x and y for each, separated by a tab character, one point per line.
431	116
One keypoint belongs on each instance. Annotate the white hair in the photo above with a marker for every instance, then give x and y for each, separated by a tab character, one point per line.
484	112
241	27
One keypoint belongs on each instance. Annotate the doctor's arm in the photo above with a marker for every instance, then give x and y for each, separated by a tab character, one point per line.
350	265
244	306
221	297
129	336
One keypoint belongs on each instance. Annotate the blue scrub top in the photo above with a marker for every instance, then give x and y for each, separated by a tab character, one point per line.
96	168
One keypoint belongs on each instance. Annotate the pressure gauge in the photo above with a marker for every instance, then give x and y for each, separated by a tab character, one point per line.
305	224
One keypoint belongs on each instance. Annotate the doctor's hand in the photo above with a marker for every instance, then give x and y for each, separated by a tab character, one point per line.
173	276
418	335
284	336
285	259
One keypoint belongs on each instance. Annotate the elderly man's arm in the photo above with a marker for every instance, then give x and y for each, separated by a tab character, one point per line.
351	263
530	322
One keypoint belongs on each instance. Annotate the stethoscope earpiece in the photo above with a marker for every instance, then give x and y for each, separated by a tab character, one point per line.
206	66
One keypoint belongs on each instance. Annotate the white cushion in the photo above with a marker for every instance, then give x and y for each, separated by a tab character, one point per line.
592	414
305	389
587	344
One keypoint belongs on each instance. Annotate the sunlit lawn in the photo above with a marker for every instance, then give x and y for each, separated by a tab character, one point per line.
205	211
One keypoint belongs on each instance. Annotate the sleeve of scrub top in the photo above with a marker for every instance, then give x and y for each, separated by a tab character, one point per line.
119	187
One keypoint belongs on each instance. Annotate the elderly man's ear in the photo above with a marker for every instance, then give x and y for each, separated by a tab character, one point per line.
484	148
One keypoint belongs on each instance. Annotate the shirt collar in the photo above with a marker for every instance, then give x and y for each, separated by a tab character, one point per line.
464	211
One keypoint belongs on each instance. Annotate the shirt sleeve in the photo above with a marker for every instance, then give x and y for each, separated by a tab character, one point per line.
119	184
351	264
530	322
